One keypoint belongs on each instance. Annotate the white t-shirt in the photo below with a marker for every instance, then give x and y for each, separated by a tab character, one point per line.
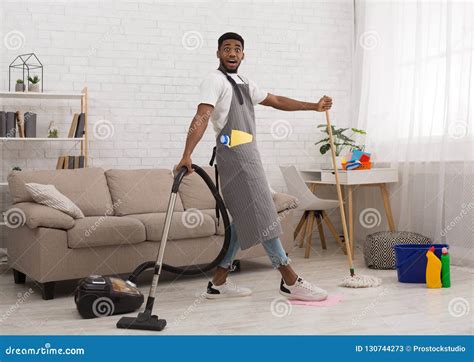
216	90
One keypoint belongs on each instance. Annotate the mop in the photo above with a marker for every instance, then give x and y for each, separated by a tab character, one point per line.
352	281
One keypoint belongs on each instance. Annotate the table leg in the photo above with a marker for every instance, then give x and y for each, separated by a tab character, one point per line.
320	229
309	234
388	208
350	206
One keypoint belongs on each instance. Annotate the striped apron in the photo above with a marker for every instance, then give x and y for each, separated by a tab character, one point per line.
243	182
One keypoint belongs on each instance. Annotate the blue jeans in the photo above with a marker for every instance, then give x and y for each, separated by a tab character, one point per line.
273	248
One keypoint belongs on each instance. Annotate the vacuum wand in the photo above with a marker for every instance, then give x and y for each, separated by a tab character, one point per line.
145	320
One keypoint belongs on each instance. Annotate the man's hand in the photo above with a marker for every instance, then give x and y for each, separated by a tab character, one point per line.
185	161
324	104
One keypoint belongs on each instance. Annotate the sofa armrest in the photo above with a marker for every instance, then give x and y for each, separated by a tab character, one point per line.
36	215
284	201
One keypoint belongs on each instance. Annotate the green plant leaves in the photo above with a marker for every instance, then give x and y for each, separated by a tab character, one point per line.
341	140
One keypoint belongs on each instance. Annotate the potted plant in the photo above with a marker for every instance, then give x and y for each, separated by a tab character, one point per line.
33	84
342	141
19	86
52	130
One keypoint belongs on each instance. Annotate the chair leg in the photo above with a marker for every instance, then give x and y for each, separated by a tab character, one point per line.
300	224
320	229
333	231
309	234
304	227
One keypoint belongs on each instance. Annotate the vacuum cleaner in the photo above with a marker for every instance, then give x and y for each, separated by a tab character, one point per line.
98	296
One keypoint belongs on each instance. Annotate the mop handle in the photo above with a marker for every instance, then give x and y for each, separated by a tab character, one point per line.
339	193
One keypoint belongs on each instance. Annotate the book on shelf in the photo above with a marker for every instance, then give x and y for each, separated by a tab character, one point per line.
81	122
11	124
72	129
20	121
60	163
3	124
70	162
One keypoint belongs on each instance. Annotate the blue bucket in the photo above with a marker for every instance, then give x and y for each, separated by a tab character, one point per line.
411	261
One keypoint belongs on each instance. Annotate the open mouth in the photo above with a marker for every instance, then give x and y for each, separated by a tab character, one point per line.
232	62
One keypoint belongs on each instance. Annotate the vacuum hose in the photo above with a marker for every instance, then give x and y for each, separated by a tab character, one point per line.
194	269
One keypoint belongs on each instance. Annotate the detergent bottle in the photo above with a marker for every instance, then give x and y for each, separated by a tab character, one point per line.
445	272
433	270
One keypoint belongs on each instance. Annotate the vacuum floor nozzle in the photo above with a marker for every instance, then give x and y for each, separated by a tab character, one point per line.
142	322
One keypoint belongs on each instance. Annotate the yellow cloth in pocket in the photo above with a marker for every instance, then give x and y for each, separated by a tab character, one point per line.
239	138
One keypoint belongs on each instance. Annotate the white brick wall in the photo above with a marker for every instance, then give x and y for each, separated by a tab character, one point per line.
141	77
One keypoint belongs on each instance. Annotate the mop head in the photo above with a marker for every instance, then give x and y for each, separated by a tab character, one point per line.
360	281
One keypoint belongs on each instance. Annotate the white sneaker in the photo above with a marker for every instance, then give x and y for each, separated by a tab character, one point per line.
226	290
302	290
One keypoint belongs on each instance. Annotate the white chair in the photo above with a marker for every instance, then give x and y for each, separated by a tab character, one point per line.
312	206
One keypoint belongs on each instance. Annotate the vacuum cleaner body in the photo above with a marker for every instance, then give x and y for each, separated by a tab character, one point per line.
98	296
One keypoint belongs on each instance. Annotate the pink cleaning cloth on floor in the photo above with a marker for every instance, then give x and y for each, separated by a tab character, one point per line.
331	300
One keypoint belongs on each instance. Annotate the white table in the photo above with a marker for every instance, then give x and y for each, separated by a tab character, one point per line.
378	177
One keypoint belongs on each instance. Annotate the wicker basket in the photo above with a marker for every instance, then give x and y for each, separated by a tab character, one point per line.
379	250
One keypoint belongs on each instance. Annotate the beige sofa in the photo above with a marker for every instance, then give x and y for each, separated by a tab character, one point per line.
124	216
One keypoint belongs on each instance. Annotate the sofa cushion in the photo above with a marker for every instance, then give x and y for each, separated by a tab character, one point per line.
284	201
195	193
141	191
49	195
36	215
86	187
96	231
184	225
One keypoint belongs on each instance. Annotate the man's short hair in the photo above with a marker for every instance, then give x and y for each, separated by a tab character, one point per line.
228	36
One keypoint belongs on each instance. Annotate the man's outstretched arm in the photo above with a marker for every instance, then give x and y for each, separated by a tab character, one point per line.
288	104
196	131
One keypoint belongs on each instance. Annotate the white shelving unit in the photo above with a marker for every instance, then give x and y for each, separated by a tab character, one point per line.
44	95
32	139
82	97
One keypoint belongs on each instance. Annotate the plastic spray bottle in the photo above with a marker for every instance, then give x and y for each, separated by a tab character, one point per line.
445	270
433	270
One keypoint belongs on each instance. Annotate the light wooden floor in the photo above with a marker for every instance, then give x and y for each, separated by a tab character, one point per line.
393	308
